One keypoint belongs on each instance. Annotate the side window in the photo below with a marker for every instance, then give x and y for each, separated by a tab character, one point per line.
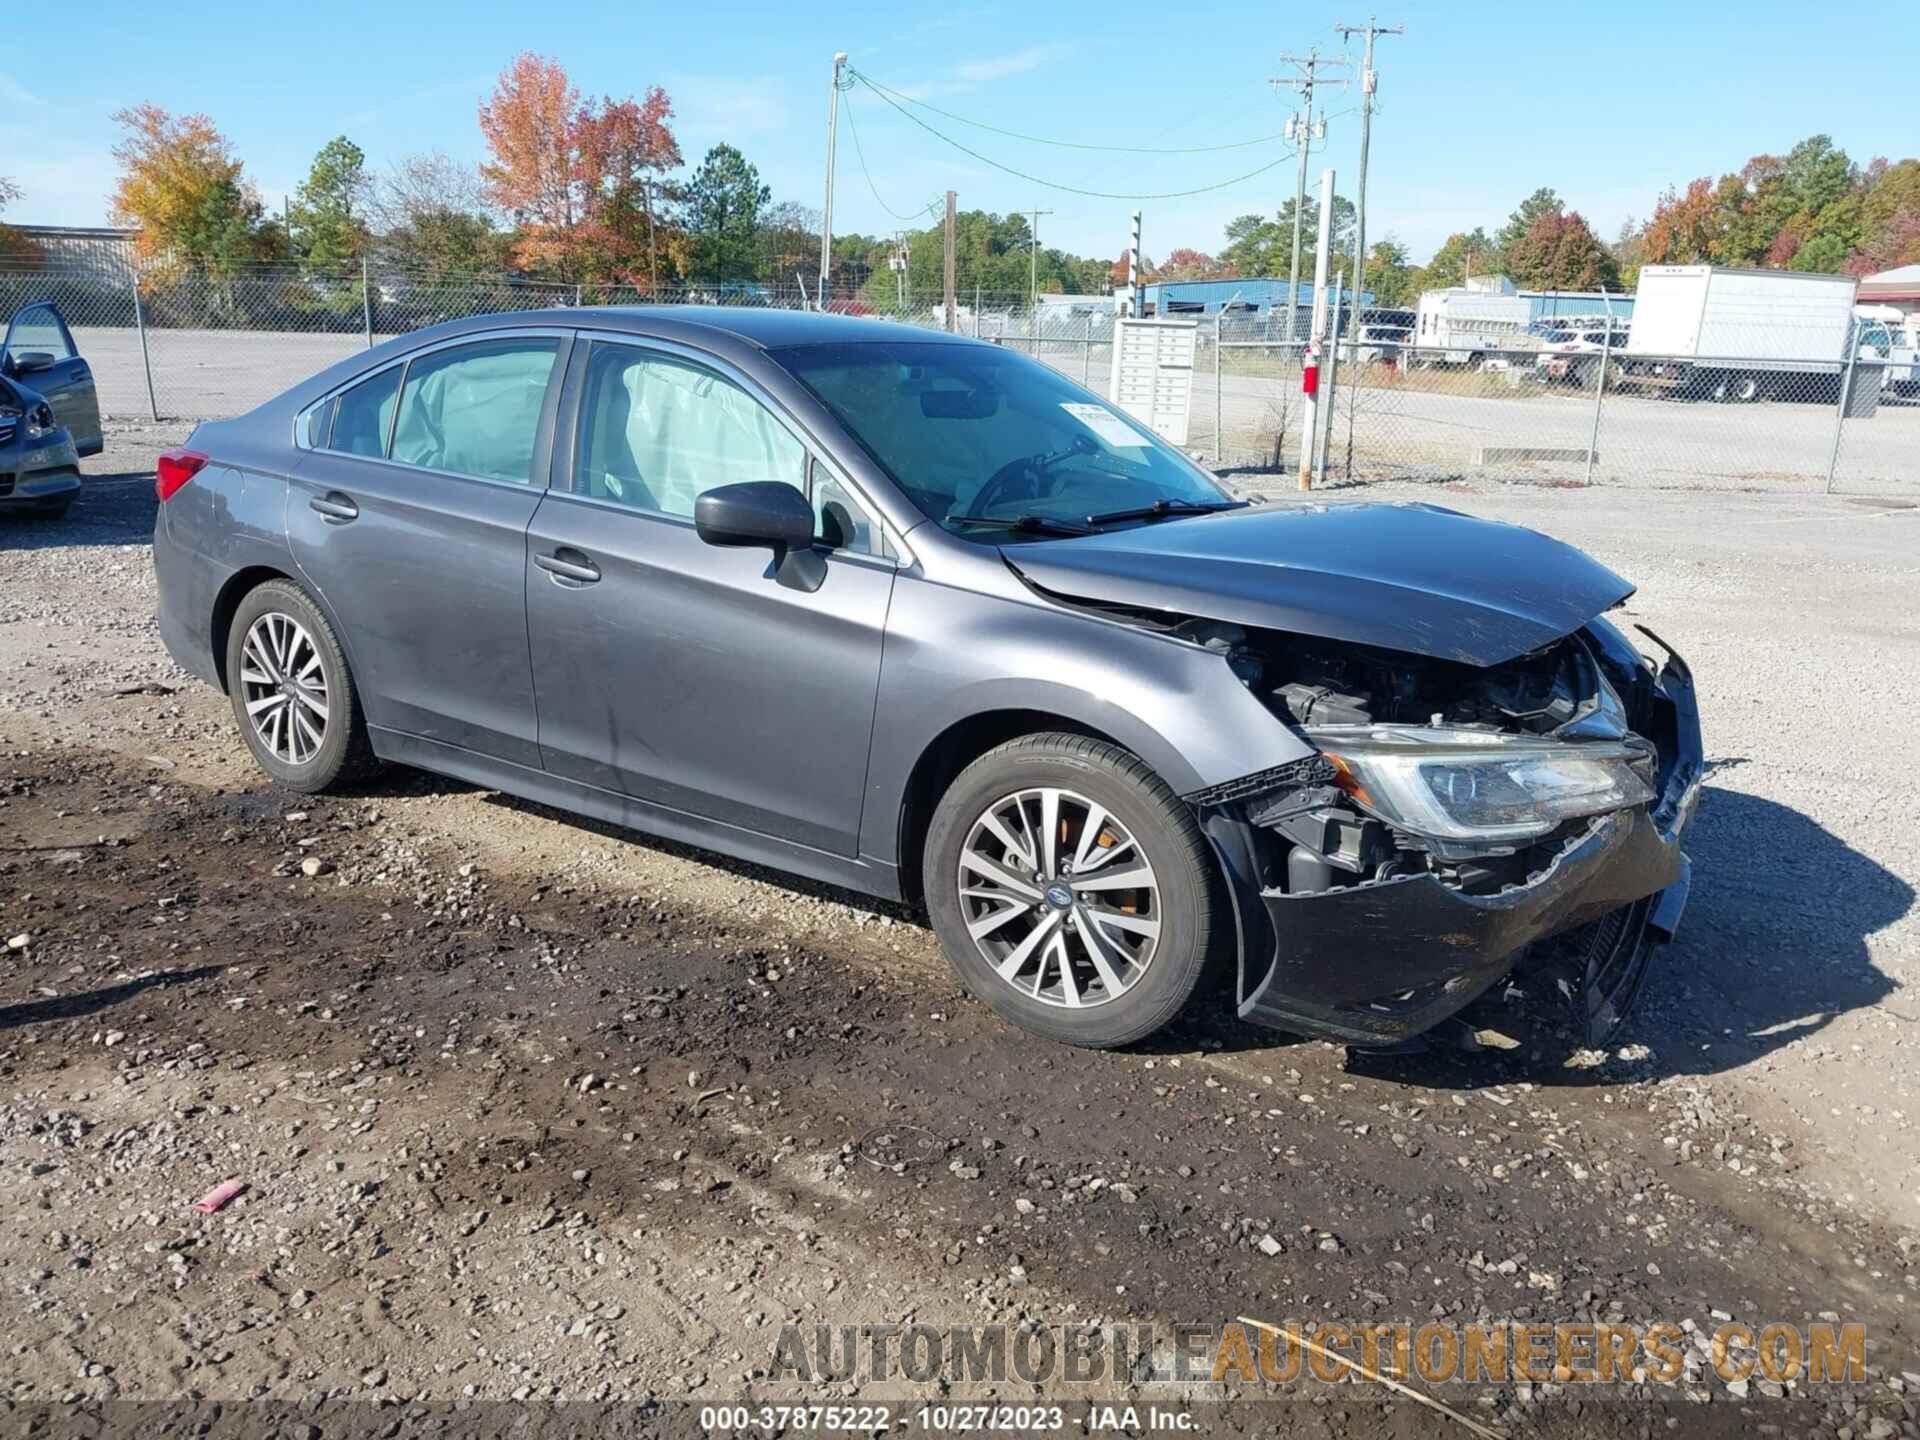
38	330
841	521
656	432
362	416
474	409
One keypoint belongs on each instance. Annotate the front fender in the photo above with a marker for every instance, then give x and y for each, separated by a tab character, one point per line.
952	655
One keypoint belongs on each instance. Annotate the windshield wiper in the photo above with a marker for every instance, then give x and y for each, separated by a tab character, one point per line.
1029	524
1161	509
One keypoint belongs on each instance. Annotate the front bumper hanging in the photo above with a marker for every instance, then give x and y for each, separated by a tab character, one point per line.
1378	962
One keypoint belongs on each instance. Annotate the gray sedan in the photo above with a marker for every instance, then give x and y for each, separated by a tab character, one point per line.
919	617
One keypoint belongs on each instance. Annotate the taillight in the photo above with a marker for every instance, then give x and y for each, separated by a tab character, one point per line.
175	468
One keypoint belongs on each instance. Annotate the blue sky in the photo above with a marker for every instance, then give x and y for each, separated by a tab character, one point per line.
1478	104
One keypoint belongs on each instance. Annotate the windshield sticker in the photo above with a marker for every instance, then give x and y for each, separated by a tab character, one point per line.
1107	425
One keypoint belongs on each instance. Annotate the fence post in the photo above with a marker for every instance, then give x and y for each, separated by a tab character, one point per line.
140	323
1324	423
1599	391
1840	410
1086	357
366	302
1219	435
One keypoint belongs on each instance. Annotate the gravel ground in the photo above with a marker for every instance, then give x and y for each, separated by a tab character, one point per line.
534	1109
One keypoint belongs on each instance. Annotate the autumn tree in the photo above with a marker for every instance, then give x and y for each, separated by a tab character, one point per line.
1186	263
1559	251
1543	201
528	124
325	215
186	192
1889	218
622	149
12	242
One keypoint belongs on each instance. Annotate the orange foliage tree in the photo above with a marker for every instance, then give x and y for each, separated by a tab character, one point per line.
577	178
184	189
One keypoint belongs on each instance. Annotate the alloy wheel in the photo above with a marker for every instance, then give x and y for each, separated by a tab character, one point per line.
1059	897
284	686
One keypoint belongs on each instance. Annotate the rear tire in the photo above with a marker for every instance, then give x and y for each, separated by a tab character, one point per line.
292	694
1095	977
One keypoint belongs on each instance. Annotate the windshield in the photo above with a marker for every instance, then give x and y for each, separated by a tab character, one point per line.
972	433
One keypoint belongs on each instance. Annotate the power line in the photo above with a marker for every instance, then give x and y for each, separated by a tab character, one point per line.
888	91
854	128
1056	185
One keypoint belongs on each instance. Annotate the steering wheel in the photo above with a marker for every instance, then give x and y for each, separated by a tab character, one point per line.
1023	473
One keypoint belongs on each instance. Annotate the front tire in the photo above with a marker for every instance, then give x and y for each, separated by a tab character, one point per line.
1072	890
292	693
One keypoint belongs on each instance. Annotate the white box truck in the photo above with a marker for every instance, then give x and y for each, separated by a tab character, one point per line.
1470	325
1716	333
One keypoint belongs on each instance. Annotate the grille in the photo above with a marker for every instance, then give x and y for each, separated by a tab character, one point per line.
1613	956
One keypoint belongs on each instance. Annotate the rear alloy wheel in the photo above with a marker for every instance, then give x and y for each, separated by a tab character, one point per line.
1071	889
291	691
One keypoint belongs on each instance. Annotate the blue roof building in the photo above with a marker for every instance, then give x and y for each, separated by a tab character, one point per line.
1234	297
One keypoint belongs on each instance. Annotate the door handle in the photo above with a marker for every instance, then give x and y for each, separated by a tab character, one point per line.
335	506
569	564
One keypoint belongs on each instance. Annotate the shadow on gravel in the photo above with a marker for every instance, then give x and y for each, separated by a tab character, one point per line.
88	1002
114	509
1772	948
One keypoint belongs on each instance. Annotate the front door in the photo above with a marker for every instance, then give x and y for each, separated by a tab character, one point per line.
409	516
685	674
39	353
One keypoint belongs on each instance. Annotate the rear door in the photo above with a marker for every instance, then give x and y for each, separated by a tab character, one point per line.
409	515
39	353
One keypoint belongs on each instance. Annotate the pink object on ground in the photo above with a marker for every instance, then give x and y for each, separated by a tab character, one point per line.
219	1196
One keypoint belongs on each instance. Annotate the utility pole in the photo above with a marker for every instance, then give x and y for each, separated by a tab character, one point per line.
1033	260
1136	303
901	258
826	211
1368	84
952	310
1300	129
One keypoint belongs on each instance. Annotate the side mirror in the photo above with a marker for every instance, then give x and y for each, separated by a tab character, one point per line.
25	362
764	512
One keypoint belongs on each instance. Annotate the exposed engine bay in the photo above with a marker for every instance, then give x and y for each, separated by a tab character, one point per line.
1334	825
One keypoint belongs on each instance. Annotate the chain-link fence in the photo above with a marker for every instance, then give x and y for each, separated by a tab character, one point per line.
1575	401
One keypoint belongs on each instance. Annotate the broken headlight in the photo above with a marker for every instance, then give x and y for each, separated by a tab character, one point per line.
1457	784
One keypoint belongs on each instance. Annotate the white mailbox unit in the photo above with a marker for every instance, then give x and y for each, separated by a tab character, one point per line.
1152	374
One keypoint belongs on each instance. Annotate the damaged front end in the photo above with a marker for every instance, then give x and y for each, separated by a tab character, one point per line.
1454	816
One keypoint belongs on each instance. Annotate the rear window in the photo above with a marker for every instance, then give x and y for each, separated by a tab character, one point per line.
363	415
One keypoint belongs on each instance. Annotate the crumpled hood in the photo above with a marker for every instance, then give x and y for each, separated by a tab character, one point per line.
1415	578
